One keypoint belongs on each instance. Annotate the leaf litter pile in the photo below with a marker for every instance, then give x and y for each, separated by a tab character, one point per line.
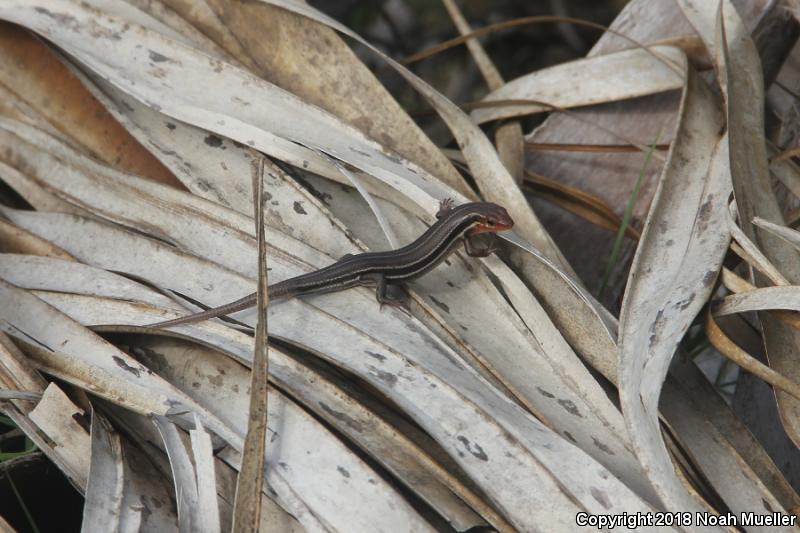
157	155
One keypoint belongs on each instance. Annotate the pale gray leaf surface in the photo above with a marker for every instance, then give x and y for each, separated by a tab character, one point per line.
531	358
17	372
753	255
170	83
146	501
676	263
492	177
740	72
69	351
55	416
62	277
729	472
103	506
333	483
304	480
203	454
127	211
422	186
33	272
167	85
604	78
762	299
484	451
33	193
431	420
327	400
156	16
145	435
183	476
787	234
316	494
734	437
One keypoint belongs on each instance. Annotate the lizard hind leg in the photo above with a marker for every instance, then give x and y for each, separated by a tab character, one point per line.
391	294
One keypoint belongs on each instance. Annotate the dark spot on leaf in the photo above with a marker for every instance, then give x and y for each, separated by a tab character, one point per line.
441	305
125	366
655	329
344	418
387	377
378	356
213	141
705	211
171	126
298	208
343	471
570	407
601	498
602	446
569	436
545	393
682	305
473	448
65	20
157	58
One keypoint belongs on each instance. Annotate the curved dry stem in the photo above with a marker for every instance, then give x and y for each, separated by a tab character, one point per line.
732	351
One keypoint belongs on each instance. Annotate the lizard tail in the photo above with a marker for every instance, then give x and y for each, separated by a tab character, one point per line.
223	310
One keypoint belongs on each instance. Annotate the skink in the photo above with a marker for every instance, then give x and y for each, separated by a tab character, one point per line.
385	270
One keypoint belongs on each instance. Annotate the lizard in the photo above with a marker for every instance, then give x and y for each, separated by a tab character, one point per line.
384	270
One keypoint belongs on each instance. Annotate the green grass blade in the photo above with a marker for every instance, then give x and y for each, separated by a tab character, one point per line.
626	218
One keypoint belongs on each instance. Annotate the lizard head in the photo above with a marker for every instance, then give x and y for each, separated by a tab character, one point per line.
493	218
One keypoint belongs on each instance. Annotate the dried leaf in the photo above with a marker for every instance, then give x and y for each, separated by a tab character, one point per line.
247	505
605	78
106	478
31	71
728	348
676	263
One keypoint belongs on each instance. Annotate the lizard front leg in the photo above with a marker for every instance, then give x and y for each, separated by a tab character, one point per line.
475	250
445	206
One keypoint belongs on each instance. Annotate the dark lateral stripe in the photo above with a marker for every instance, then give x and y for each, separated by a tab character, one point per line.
426	252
